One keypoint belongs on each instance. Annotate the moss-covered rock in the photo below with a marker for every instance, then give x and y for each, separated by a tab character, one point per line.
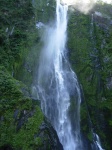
89	40
17	113
21	119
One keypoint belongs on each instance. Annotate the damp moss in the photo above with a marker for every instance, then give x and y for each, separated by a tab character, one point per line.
17	110
90	56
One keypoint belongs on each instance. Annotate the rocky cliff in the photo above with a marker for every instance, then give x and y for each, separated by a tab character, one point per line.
22	123
89	44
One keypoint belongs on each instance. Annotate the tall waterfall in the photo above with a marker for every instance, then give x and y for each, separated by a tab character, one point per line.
58	87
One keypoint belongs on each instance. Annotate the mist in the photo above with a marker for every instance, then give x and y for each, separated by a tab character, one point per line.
84	5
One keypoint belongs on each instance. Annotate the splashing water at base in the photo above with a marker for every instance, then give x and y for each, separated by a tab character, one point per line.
57	83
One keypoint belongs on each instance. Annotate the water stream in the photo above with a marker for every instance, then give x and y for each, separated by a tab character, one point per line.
57	83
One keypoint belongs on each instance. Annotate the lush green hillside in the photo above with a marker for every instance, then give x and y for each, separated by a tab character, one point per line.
90	45
22	124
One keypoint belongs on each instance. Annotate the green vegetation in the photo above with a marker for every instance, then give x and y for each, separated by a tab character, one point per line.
89	45
20	117
44	10
90	51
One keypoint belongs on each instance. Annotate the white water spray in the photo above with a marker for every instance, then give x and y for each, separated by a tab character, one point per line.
96	143
58	85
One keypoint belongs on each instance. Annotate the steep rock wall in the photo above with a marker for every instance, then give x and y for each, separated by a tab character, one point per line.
89	44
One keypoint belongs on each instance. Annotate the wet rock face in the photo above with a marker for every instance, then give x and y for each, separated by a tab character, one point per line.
109	83
21	119
44	137
48	132
90	52
24	115
102	21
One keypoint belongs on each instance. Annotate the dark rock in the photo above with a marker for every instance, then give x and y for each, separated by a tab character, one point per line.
16	114
6	147
1	118
25	92
23	118
47	129
85	142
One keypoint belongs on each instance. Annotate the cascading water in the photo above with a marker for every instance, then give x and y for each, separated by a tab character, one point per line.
97	143
57	83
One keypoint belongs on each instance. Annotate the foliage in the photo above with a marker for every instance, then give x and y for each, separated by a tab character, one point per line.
44	10
90	51
89	45
20	119
18	36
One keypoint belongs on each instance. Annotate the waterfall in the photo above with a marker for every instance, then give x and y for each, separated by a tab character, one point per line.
96	143
57	83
